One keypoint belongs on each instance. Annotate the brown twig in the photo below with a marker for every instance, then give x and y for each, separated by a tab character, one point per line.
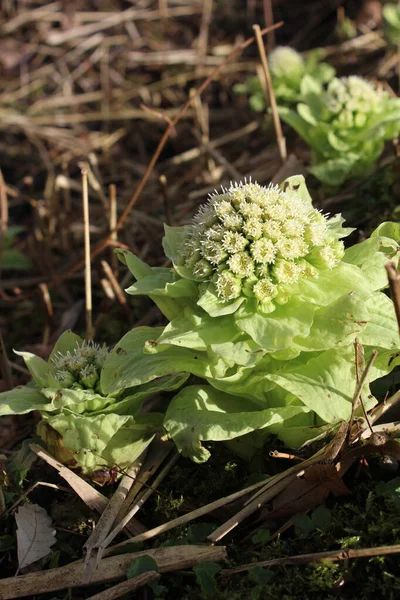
113	224
331	556
112	568
88	269
191	516
126	587
269	20
5	367
166	202
394	283
271	96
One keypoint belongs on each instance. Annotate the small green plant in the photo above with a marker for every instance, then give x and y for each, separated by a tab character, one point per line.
391	19
10	258
264	305
345	126
288	68
81	424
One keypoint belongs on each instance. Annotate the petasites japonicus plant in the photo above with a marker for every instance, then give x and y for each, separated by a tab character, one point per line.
345	126
83	426
287	68
264	305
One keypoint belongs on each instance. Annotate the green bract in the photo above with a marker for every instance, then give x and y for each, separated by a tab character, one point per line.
87	420
345	126
264	305
391	18
10	257
288	68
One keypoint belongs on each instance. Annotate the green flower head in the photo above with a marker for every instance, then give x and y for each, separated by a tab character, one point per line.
286	62
266	236
353	94
81	367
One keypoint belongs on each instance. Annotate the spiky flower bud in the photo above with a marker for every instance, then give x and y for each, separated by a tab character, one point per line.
81	367
228	286
255	241
64	378
285	62
89	376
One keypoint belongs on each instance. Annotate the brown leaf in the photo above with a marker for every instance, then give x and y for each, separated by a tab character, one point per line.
327	476
307	492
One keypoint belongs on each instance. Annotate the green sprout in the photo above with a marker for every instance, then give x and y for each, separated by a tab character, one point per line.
82	425
10	258
391	21
264	305
288	68
345	126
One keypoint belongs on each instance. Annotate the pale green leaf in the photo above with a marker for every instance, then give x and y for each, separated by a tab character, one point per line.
197	330
38	368
246	353
276	330
336	325
128	366
296	186
77	401
326	384
295	121
331	285
201	413
381	330
21	400
168	306
388	229
128	443
306	114
67	342
163	282
132	403
87	436
173	241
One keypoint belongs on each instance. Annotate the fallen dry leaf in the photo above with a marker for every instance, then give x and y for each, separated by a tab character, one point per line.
35	535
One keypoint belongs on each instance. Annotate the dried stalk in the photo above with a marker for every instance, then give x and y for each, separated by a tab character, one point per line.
107	519
5	368
126	587
90	496
138	504
111	569
191	516
331	556
88	269
271	96
394	283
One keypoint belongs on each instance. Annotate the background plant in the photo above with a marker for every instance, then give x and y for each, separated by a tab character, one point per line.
391	16
345	126
10	257
288	67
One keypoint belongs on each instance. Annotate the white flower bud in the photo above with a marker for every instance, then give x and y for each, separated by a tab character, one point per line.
255	240
228	286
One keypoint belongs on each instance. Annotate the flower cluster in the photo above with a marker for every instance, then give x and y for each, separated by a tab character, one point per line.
345	126
80	369
352	98
252	240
